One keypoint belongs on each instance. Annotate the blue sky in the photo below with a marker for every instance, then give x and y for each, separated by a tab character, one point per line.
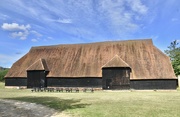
27	23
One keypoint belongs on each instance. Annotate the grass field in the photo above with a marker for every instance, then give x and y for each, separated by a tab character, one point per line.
103	103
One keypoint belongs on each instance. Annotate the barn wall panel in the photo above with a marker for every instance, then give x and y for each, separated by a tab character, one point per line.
15	81
74	82
153	84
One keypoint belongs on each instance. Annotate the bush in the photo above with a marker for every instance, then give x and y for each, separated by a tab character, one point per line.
2	74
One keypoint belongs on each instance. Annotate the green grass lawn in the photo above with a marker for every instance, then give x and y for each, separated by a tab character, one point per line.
103	103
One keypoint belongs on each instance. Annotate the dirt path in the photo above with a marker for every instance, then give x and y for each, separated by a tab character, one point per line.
11	108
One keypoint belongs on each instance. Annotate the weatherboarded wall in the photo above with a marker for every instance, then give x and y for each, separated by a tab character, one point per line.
74	82
97	82
17	81
154	84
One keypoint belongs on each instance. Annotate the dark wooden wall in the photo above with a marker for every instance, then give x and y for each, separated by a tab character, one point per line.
74	82
16	81
97	82
116	78
154	84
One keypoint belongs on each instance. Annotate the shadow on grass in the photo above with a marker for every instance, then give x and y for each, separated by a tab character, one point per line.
53	102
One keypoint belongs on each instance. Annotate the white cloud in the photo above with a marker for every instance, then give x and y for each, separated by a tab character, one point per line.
3	16
19	31
117	17
21	35
178	40
36	33
138	7
122	15
65	21
50	38
16	30
15	27
34	40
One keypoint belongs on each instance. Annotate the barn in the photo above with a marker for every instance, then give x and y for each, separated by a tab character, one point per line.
128	64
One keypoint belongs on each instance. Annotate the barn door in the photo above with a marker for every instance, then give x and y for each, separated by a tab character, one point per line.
116	78
36	79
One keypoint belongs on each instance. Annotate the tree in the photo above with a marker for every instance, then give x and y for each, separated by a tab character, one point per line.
3	72
174	53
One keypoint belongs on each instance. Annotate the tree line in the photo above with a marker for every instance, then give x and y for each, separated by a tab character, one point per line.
173	52
3	72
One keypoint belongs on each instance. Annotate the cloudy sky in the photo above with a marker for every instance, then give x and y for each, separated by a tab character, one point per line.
27	23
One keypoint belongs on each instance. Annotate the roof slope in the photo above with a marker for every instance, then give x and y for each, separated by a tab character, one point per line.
116	61
38	65
87	60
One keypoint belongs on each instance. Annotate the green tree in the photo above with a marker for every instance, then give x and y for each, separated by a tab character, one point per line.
2	74
174	53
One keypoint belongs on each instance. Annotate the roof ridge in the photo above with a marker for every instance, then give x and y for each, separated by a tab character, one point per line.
99	42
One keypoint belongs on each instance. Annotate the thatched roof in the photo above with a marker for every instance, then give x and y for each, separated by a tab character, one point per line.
87	60
38	65
116	61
